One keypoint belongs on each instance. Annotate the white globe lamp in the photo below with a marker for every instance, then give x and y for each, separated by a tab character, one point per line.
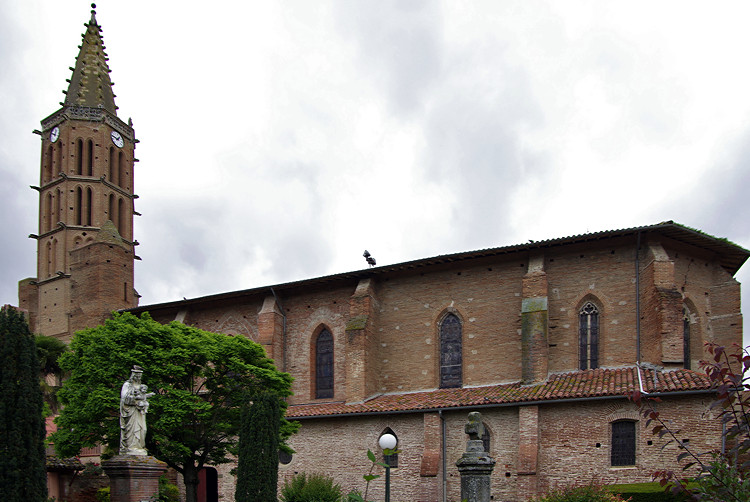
387	441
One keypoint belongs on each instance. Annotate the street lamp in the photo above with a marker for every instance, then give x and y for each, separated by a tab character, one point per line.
387	442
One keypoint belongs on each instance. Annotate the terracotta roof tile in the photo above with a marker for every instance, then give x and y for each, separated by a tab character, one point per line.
55	463
579	384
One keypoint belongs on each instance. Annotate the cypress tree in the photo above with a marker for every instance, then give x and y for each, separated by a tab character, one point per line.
258	463
23	475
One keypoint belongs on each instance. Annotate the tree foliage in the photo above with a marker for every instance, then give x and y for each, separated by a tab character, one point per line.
22	459
258	465
49	349
723	476
201	380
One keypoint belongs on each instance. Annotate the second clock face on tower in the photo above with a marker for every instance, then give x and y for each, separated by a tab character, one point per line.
117	139
54	134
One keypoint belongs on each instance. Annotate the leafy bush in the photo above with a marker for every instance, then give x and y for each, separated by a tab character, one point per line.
585	493
102	494
168	492
310	488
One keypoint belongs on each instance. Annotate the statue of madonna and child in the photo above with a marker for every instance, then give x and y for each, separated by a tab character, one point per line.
133	408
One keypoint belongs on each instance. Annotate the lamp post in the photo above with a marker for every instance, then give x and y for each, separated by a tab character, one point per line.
387	442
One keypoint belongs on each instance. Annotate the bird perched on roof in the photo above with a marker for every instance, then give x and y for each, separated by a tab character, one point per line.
369	258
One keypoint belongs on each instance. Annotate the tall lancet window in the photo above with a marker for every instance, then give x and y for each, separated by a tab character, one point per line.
324	365
588	337
450	352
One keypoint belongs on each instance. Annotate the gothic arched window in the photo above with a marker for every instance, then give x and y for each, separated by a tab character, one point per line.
87	206
79	157
588	336
120	170
486	439
89	158
78	206
112	172
121	217
49	214
48	165
324	365
450	352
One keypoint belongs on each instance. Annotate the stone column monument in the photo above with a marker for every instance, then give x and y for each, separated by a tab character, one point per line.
475	465
133	474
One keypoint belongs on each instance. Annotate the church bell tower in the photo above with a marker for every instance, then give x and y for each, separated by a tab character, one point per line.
85	245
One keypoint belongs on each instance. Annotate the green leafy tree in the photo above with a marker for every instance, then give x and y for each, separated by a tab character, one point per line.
258	464
49	349
201	381
23	475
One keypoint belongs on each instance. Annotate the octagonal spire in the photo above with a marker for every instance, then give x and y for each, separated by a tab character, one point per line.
90	85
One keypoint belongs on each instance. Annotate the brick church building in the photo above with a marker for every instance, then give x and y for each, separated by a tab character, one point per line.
544	338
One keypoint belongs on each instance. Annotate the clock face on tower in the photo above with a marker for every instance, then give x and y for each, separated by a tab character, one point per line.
117	139
54	134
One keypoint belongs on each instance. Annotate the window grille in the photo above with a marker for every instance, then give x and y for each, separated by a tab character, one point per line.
623	443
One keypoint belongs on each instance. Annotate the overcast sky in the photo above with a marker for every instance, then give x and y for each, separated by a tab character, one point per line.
281	139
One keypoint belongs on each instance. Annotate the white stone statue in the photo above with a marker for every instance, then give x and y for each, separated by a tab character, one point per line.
133	408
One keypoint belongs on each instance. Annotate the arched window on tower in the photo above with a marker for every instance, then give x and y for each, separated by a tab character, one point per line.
111	216
450	352
79	157
112	177
121	217
48	165
48	214
58	207
120	170
89	158
53	259
588	336
57	166
47	259
324	365
78	206
87	207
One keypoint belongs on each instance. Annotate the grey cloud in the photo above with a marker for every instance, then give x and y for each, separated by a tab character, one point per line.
399	46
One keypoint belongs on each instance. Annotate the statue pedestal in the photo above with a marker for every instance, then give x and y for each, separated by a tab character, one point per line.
133	478
475	467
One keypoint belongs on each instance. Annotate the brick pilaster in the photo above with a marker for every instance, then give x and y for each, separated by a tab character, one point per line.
361	380
534	321
271	330
430	465
661	309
